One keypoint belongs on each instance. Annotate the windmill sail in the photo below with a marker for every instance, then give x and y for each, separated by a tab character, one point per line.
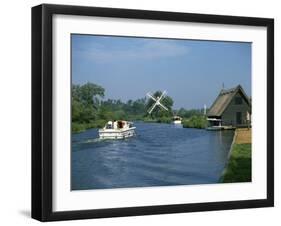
163	106
157	101
152	108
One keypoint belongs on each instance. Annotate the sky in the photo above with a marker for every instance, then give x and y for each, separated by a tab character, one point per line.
191	71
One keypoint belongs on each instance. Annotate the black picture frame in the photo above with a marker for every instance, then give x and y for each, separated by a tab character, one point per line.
42	111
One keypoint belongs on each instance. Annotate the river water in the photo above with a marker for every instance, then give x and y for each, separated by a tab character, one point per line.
160	155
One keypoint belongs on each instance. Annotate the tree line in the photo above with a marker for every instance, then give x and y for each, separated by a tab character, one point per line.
90	110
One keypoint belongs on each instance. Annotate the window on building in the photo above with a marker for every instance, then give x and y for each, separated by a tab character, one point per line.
238	100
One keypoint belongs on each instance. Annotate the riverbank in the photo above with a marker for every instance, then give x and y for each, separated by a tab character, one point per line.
239	167
198	122
81	127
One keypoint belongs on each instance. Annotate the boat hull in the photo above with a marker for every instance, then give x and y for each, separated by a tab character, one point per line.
216	128
177	122
116	133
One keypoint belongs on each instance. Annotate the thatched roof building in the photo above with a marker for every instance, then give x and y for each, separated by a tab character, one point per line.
232	107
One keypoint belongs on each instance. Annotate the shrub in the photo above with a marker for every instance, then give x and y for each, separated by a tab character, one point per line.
77	127
199	122
164	120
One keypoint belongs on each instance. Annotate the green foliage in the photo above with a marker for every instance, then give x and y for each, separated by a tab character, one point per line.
79	127
164	120
184	113
77	109
199	122
89	110
85	105
158	120
149	119
239	168
87	94
85	102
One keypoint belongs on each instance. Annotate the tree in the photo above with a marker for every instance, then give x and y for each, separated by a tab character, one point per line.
188	113
138	107
88	93
85	102
77	109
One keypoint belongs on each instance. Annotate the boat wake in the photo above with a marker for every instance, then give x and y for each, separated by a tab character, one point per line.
88	141
97	140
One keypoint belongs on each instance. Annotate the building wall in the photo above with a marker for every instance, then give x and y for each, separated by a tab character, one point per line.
229	115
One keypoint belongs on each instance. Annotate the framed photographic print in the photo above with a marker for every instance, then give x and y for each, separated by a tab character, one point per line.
145	112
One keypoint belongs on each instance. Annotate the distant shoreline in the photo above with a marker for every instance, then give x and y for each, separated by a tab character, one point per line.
197	122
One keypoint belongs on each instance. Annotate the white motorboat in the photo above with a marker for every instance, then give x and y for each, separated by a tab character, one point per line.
214	124
117	130
177	120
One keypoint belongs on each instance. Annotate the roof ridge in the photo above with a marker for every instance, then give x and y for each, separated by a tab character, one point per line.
223	100
230	90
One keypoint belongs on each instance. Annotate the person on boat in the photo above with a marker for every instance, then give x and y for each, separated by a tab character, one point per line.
115	124
120	124
109	125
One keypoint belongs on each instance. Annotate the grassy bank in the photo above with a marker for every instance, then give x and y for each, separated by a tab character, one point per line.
199	122
80	127
239	167
158	120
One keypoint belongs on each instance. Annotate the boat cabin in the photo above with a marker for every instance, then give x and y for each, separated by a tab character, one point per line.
119	124
117	130
177	119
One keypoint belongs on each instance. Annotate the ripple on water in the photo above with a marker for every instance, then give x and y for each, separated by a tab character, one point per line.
160	155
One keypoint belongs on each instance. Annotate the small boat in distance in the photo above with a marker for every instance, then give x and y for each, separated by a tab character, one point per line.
216	124
117	130
177	120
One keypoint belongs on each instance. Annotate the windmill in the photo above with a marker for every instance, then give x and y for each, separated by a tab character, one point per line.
157	101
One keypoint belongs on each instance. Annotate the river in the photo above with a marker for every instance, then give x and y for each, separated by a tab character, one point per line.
160	155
